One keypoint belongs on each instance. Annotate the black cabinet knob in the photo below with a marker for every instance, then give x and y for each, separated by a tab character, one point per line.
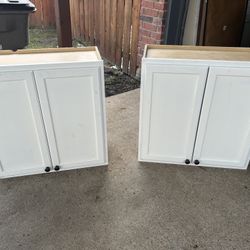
187	161
47	169
57	168
196	162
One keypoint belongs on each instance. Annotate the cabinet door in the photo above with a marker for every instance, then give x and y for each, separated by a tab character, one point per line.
223	138
72	103
171	98
23	144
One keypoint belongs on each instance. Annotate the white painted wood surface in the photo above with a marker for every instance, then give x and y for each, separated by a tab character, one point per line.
74	116
23	143
52	114
172	97
224	132
221	131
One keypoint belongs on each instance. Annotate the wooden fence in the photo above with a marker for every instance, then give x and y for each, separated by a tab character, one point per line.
45	14
112	25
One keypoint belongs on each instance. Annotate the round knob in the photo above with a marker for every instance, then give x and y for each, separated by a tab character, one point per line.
47	169
57	168
196	162
187	161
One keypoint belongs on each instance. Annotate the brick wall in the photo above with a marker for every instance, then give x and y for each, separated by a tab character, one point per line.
152	23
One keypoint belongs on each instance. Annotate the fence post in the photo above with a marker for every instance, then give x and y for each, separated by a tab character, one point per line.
63	23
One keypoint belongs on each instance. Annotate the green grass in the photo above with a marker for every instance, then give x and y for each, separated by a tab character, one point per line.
42	38
45	38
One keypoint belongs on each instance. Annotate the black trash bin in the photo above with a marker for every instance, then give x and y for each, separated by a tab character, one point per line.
14	23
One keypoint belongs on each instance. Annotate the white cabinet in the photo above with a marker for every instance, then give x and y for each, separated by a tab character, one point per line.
195	106
52	115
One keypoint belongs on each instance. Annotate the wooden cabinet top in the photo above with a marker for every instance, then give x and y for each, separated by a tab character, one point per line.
48	56
196	52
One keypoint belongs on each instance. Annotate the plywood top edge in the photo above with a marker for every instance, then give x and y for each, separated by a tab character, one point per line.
50	56
51	50
196	48
197	53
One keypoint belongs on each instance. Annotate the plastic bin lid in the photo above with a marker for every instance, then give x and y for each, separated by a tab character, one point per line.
16	5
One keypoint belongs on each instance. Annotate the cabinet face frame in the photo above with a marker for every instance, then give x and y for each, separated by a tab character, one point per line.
100	117
27	78
205	121
148	70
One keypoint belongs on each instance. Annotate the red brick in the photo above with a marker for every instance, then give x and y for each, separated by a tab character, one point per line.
147	40
150	12
141	43
147	4
149	26
152	23
161	13
148	19
156	35
160	28
158	21
159	6
145	32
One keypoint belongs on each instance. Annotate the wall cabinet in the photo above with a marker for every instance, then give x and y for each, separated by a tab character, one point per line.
52	115
195	106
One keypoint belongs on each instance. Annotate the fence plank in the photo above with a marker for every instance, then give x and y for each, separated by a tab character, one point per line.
97	22
126	34
45	13
77	19
112	25
107	29
36	18
48	13
135	36
119	33
91	22
102	26
63	23
86	12
82	20
113	20
72	16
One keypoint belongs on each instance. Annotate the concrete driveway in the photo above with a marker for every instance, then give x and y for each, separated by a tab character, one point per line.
128	205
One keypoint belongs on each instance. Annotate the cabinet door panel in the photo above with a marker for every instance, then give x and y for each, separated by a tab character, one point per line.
223	138
23	144
73	107
171	98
